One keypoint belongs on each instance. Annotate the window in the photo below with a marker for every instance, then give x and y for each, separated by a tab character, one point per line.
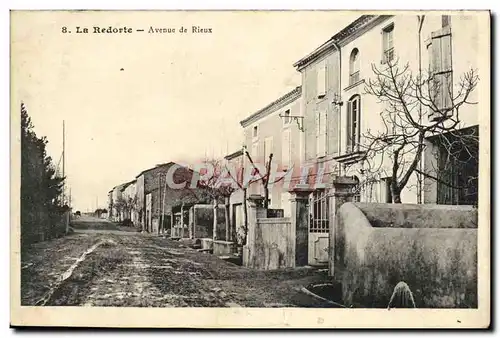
286	148
441	74
255	132
354	67
458	167
388	44
321	130
320	212
321	81
353	123
286	117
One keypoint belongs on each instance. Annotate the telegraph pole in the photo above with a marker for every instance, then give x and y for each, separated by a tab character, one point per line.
63	164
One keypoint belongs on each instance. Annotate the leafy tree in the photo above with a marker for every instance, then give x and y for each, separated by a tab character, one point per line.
41	187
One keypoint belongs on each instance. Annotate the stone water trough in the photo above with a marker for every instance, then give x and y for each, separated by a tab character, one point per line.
431	248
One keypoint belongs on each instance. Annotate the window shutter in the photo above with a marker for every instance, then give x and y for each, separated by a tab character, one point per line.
441	70
320	133
447	68
349	126
317	127
321	80
285	150
384	44
324	130
436	55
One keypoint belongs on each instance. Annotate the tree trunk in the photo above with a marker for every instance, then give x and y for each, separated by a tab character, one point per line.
266	197
228	221
396	192
214	231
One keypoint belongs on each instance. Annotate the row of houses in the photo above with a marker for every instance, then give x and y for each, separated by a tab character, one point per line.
323	129
148	201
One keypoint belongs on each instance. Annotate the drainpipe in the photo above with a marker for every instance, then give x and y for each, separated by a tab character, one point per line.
339	97
420	24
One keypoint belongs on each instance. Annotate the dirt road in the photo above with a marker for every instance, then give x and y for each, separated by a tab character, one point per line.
105	265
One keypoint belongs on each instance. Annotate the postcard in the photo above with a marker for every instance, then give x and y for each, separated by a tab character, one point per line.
250	169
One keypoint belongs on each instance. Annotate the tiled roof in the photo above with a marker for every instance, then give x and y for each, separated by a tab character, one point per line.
344	34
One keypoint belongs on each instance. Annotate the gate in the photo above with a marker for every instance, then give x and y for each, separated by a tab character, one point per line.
320	212
319	227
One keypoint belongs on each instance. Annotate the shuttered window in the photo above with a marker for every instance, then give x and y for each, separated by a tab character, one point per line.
441	74
285	150
321	130
353	120
321	81
387	44
354	67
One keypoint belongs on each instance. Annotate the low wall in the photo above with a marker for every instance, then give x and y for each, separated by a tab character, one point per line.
207	243
438	261
223	248
273	246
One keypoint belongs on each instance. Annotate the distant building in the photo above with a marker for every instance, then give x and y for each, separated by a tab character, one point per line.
156	197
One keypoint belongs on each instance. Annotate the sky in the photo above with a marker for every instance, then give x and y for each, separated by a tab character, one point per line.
179	97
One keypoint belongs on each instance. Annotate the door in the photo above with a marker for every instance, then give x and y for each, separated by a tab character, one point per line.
318	229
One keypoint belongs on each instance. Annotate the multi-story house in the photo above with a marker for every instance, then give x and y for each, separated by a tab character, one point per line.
116	197
129	197
340	112
110	205
235	162
274	130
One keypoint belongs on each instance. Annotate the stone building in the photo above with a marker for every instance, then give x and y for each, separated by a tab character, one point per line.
158	190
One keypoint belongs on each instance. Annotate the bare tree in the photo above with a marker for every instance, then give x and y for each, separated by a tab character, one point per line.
220	188
263	177
417	108
218	192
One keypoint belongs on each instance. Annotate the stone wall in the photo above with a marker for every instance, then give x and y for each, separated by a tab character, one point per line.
434	255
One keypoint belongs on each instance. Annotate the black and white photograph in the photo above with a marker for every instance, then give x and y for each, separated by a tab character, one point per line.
268	168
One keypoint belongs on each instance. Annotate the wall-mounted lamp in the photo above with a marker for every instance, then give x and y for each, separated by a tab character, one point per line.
296	118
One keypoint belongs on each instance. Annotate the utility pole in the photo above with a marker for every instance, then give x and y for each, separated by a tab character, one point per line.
63	164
